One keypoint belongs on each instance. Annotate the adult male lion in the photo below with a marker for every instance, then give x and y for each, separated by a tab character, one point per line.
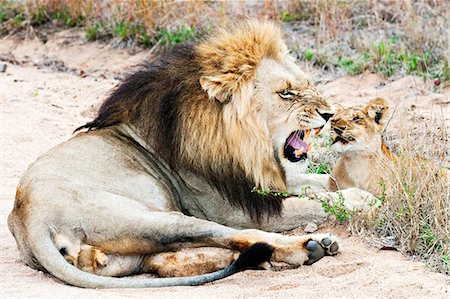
170	163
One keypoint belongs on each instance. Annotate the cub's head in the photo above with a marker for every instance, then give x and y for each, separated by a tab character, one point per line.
359	128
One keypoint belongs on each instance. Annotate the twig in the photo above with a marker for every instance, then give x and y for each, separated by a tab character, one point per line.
389	120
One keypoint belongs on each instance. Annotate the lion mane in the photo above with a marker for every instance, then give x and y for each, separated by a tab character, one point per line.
192	105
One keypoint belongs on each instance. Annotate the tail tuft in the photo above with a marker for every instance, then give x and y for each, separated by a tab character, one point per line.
251	258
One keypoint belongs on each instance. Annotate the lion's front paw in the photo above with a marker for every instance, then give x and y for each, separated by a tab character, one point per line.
320	245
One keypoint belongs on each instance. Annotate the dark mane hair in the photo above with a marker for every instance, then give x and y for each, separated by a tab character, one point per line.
155	100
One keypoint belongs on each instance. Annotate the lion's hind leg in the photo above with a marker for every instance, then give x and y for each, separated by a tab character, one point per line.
189	261
185	262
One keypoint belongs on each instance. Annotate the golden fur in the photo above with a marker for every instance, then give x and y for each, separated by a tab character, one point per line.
170	163
364	156
357	136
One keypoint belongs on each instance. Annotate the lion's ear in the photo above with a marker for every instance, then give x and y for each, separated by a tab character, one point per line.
215	87
223	86
233	89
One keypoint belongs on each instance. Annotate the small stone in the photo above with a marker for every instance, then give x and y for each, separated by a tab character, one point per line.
310	227
2	67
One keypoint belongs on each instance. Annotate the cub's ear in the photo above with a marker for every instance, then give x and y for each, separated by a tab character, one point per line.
377	109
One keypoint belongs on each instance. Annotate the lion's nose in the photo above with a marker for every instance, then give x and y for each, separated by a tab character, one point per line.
325	116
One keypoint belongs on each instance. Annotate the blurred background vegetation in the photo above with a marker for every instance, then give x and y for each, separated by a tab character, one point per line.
390	37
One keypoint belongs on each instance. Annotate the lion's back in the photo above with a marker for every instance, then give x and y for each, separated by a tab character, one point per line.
92	163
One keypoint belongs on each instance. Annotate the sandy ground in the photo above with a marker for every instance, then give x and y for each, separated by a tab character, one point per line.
48	90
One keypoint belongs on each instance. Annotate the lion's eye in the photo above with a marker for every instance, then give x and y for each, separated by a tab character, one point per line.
286	94
356	119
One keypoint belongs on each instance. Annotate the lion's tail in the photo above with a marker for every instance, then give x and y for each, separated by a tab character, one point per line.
50	258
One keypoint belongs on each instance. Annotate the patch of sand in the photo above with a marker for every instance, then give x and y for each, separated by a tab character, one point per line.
40	107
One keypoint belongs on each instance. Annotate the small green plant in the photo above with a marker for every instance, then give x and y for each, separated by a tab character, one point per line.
39	16
265	192
446	261
427	235
442	72
382	197
308	54
123	30
63	16
336	208
181	34
261	191
133	31
145	39
92	32
323	167
351	66
18	20
305	192
6	12
293	16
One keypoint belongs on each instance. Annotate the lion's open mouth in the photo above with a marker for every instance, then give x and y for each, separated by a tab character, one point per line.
296	147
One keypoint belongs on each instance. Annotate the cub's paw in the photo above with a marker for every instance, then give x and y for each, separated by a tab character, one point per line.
320	245
358	200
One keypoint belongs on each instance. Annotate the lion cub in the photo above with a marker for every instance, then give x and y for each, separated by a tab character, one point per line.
356	135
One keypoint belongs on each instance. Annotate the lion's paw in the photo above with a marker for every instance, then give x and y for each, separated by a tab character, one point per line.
91	258
320	245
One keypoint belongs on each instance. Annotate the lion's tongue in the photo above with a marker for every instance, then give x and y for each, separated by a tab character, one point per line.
299	145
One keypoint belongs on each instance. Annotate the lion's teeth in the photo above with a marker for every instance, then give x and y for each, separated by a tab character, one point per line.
307	132
317	131
299	152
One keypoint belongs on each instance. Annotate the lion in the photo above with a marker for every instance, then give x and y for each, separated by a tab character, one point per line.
365	160
169	164
356	134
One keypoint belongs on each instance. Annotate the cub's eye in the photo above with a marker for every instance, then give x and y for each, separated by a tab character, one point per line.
286	94
356	119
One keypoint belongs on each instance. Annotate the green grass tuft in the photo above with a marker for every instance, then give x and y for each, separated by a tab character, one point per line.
182	33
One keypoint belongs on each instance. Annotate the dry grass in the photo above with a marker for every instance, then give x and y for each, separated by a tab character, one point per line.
415	214
389	37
